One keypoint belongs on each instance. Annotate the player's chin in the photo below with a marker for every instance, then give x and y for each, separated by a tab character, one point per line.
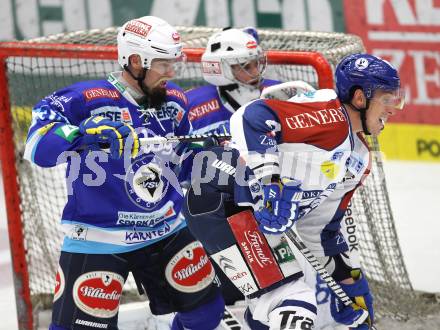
375	131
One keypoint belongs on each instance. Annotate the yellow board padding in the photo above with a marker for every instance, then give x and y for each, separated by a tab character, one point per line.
411	142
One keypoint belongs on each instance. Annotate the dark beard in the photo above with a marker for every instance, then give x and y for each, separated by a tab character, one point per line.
155	97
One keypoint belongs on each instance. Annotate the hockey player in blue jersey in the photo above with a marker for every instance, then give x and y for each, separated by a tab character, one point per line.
123	209
308	136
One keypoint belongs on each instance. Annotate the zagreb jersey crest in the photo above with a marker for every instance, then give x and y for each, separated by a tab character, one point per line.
145	183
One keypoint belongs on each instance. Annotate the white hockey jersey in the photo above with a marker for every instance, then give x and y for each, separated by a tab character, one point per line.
307	138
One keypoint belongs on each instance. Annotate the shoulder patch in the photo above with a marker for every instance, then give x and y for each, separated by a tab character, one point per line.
203	109
176	93
96	93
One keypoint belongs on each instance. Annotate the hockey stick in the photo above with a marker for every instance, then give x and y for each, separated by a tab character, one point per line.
182	138
325	276
174	139
230	321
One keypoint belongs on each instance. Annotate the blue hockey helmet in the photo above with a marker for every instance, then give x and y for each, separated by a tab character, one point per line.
367	72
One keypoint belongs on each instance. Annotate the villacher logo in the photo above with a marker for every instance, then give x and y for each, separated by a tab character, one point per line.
190	269
98	293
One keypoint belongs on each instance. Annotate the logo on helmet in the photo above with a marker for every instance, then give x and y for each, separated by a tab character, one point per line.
176	37
361	63
251	45
211	67
138	28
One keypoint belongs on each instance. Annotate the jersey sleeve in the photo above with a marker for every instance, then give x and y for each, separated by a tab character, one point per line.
255	131
54	127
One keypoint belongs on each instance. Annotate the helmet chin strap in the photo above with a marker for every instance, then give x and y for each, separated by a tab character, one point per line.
140	80
363	115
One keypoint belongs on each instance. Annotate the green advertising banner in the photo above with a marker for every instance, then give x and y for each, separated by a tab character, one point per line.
24	19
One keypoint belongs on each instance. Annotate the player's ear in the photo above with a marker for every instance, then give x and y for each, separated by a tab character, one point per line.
359	100
135	61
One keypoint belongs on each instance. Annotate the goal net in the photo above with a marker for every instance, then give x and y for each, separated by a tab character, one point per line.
35	197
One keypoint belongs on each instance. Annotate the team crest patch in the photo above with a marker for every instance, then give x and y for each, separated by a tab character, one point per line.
251	45
97	293
59	284
176	37
190	269
145	183
361	63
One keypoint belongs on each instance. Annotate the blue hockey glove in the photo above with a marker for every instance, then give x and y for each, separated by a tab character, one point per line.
99	132
280	209
354	316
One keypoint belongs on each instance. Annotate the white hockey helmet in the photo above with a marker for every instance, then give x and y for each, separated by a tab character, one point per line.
149	37
227	48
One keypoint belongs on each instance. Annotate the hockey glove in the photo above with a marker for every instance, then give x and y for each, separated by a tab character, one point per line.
101	133
280	209
354	316
215	141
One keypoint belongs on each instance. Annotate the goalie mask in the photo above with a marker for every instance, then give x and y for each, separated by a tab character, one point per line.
231	53
156	42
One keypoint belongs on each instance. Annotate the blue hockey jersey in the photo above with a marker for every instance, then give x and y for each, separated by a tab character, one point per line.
207	110
113	206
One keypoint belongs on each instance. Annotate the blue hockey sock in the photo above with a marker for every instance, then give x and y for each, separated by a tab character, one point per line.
205	317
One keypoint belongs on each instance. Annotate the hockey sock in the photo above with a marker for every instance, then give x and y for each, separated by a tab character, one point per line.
205	317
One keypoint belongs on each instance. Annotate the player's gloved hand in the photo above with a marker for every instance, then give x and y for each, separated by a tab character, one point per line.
223	129
215	141
280	209
99	133
354	316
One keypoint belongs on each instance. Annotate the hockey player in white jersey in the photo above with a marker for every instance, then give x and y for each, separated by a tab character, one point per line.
369	88
308	138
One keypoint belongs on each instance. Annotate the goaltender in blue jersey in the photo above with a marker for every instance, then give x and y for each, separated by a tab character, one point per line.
233	64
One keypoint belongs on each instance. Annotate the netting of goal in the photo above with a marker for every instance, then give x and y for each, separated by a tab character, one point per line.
35	196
